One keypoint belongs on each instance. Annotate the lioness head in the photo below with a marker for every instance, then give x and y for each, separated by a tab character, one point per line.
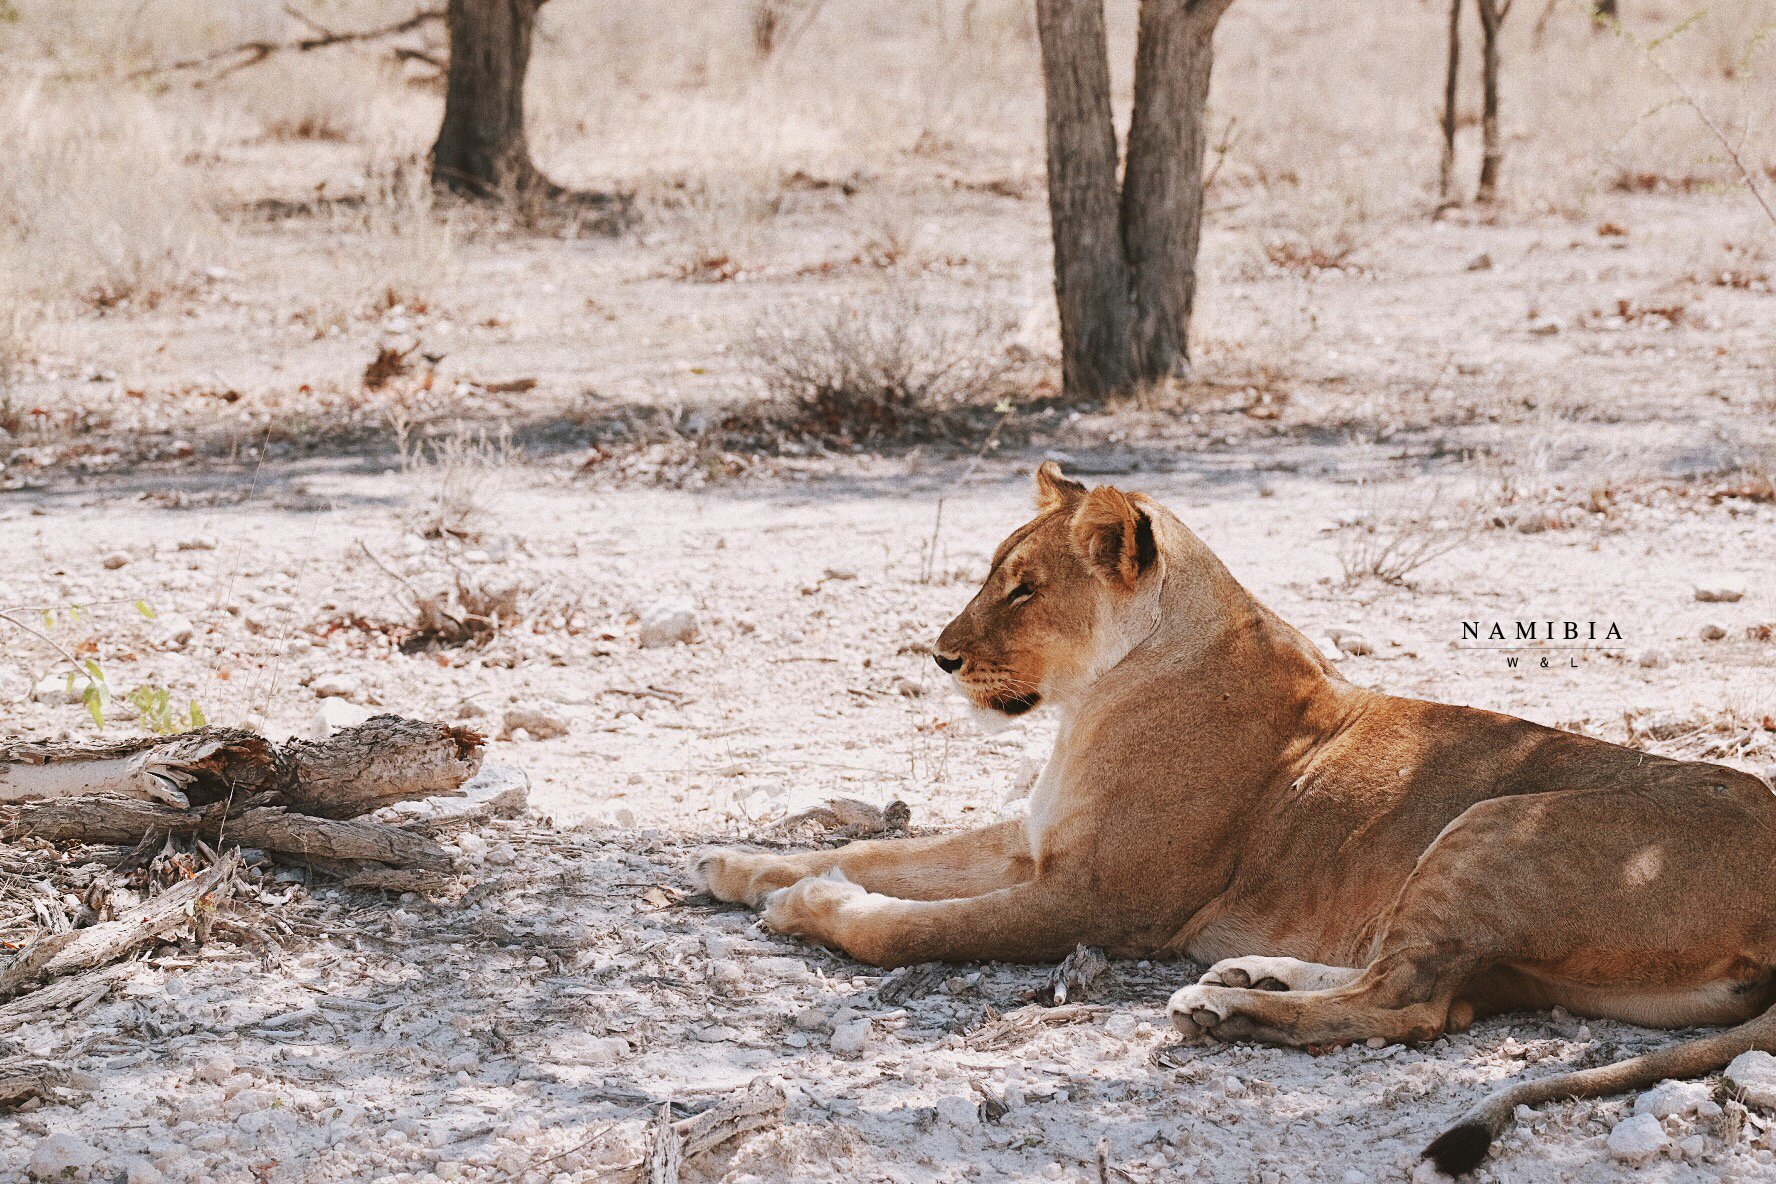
1068	595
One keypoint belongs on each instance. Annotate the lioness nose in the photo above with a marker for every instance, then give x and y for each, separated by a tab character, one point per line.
947	663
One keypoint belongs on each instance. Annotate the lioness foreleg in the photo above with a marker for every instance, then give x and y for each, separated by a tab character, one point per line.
937	867
1038	920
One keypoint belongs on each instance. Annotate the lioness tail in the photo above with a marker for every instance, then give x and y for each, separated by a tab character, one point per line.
1461	1148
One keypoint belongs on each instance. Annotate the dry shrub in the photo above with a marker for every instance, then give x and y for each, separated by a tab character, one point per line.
455	472
859	374
96	206
1391	537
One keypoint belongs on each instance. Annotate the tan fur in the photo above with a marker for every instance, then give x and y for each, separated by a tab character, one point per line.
1355	865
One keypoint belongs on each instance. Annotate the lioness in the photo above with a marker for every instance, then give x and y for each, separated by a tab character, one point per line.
1353	865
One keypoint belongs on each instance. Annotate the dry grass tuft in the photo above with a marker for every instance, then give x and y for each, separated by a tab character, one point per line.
861	374
1391	537
455	473
97	207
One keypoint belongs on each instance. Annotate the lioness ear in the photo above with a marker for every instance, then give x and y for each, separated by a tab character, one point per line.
1052	489
1114	536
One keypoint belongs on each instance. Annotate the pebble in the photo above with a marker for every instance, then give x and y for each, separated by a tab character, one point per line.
1639	1138
1670	1098
1720	589
959	1111
668	622
850	1039
62	1157
1753	1074
335	715
813	1020
53	688
1653	659
140	1171
116	560
198	542
540	722
1713	632
335	686
1349	641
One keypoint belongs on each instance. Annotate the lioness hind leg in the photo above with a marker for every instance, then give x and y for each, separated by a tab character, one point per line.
1265	973
1400	999
939	867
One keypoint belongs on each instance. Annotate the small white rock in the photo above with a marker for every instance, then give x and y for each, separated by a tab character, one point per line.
539	721
1639	1138
62	1156
959	1111
335	715
1670	1098
335	686
668	622
850	1039
1720	589
141	1171
1753	1074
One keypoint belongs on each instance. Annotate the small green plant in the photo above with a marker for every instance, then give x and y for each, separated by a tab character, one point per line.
154	711
153	705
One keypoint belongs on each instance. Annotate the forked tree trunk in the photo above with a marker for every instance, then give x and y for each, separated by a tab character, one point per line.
1091	278
1162	191
1125	262
1492	16
481	149
1451	88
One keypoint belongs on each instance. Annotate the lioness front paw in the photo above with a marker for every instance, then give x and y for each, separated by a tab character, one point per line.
808	907
742	876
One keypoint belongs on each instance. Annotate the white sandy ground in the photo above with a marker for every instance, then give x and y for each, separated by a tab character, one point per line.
539	1016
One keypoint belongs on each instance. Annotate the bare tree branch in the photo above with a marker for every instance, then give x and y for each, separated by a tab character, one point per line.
251	53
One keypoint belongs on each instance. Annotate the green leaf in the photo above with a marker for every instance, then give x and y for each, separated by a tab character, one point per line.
198	719
95	699
143	607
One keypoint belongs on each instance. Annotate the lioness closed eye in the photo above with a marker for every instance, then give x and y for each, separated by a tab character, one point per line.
1353	865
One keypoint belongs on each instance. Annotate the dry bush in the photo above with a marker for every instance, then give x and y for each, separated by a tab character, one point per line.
1392	536
97	207
15	344
858	374
454	474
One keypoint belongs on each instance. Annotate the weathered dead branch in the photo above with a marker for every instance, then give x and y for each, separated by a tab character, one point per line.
60	954
251	53
757	1106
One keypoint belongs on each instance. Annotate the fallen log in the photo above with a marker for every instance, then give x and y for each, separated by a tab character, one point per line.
384	760
297	837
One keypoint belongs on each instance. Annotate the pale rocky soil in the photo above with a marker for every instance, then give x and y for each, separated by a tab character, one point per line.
217	457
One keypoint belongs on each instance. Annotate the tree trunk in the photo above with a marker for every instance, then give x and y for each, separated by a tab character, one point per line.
1091	279
1492	15
481	149
1162	193
1451	86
